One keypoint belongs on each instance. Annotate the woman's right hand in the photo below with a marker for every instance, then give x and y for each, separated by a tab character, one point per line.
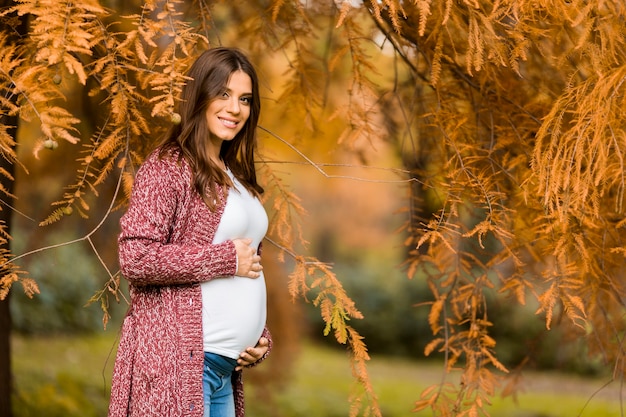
248	262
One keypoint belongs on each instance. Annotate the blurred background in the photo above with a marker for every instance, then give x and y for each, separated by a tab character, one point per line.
355	201
63	354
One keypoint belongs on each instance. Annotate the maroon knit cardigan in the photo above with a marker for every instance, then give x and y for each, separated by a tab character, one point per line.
165	252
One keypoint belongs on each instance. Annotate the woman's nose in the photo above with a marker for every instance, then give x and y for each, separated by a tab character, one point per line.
233	105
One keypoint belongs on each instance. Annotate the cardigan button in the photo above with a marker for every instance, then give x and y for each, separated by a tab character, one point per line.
191	407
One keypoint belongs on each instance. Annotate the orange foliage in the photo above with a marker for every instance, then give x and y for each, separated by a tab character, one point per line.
522	139
508	116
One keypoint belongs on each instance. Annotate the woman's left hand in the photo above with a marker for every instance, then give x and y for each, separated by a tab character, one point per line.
252	354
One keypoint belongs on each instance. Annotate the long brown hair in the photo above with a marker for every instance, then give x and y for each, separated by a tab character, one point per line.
209	75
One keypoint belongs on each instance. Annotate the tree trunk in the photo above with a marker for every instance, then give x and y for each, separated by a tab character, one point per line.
5	313
5	356
15	34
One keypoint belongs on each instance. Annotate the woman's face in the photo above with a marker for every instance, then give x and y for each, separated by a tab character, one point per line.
227	114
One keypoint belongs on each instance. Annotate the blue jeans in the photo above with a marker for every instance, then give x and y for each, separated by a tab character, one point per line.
218	388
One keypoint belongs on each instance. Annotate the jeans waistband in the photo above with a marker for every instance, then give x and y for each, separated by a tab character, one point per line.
220	363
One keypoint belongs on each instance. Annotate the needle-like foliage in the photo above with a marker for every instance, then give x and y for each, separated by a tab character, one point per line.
508	116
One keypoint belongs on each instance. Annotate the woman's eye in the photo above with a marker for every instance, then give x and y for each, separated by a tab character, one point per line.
246	100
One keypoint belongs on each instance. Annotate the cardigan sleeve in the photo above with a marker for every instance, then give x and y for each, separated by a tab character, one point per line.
148	254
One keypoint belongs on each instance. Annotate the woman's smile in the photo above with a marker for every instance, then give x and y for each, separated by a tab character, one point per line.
230	123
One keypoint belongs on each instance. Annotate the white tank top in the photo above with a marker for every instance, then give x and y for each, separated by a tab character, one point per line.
234	309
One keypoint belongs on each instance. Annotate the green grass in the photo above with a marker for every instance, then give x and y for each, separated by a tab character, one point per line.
70	376
62	376
323	382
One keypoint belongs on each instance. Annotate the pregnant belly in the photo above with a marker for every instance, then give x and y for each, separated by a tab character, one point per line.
233	314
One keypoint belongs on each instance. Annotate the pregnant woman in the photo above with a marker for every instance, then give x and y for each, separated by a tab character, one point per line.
190	248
